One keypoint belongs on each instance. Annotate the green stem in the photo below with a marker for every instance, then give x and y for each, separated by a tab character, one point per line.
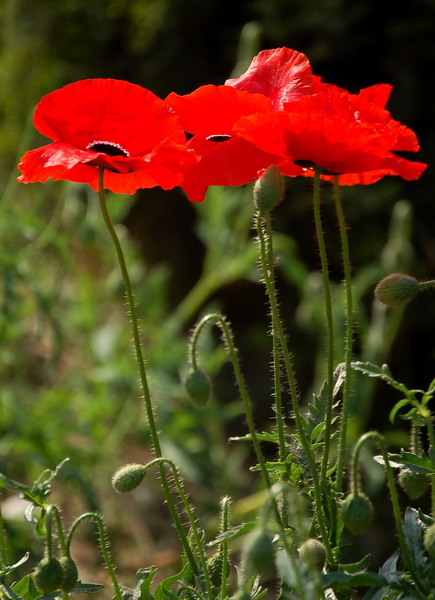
142	372
423	285
103	544
349	336
225	504
329	322
230	347
293	390
276	352
60	532
190	516
393	496
3	544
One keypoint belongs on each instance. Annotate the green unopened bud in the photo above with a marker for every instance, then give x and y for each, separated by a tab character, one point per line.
397	289
415	484
259	551
357	513
429	541
198	386
128	477
313	554
48	575
268	189
70	573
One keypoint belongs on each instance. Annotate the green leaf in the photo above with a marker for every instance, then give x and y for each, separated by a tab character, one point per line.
412	530
382	373
12	485
262	437
26	588
9	568
363	579
421	464
356	567
142	589
232	533
397	407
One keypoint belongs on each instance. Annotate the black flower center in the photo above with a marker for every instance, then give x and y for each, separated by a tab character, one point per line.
221	137
110	148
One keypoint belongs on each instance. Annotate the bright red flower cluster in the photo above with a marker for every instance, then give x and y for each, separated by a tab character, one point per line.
277	112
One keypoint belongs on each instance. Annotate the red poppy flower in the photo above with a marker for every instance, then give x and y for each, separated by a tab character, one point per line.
208	114
115	124
283	75
349	135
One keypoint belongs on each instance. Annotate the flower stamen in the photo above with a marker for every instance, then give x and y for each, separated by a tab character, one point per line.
110	148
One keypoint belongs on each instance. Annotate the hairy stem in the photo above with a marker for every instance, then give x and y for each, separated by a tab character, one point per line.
142	373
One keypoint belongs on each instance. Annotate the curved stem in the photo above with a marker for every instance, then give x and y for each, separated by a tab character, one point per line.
230	347
141	365
103	544
60	531
293	391
349	336
393	495
329	322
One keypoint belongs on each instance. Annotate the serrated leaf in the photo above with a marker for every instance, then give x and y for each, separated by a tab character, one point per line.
381	373
412	530
421	464
142	589
232	533
363	579
358	566
164	585
264	436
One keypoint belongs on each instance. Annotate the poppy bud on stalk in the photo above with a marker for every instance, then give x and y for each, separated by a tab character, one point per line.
198	386
128	477
397	289
268	189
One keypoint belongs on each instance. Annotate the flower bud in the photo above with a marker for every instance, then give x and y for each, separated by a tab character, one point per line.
268	190
313	554
415	484
48	575
259	551
357	513
397	289
70	573
429	541
198	386
128	477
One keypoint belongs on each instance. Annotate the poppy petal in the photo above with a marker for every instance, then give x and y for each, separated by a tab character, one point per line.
281	74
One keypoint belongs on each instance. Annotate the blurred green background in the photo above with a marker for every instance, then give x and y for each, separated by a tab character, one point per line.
67	379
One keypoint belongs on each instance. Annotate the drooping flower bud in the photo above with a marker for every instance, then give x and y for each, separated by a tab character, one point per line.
70	573
415	484
48	575
128	477
313	554
357	513
259	551
268	189
397	289
198	386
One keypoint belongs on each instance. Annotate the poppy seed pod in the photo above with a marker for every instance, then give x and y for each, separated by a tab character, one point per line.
268	190
357	513
48	575
397	289
128	477
313	554
198	386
